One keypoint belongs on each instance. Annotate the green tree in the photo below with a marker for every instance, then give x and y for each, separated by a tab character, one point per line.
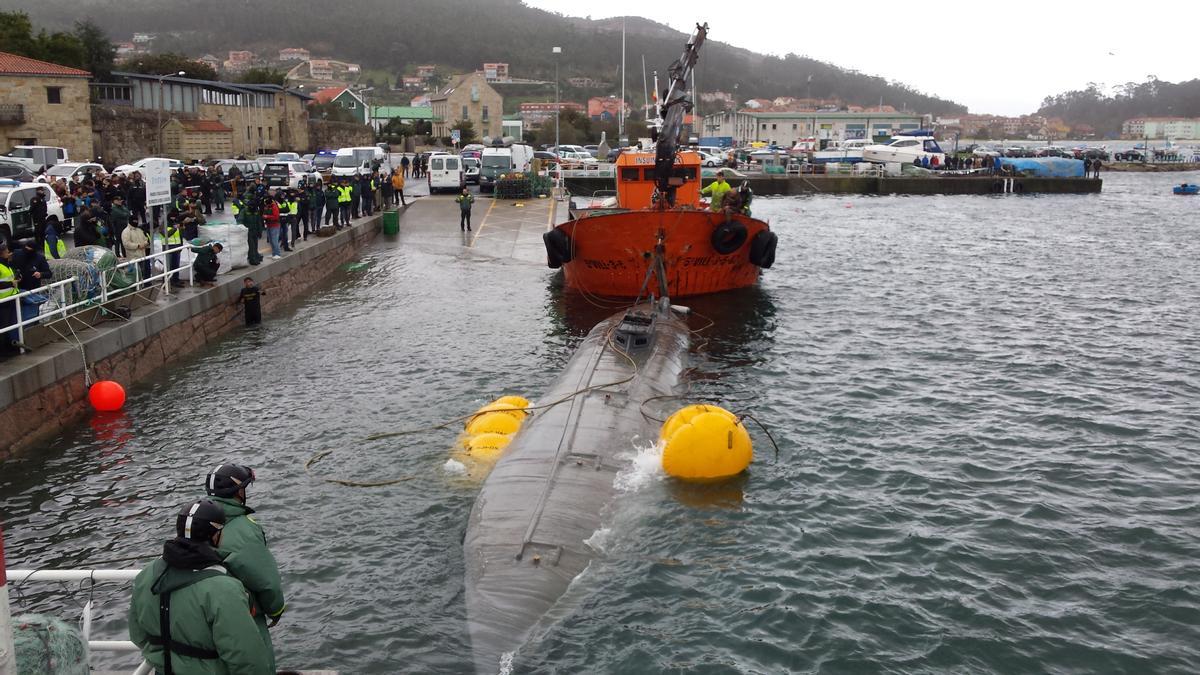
16	34
170	63
98	51
263	76
466	131
331	112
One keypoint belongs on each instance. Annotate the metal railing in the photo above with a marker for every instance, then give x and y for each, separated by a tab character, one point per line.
120	576
12	113
60	296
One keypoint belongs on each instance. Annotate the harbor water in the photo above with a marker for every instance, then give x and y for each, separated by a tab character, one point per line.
987	419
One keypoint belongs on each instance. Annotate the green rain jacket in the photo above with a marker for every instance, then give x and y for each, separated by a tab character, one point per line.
717	190
210	611
246	556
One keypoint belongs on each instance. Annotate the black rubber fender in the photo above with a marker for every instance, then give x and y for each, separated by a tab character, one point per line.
997	187
762	249
558	248
1018	187
729	237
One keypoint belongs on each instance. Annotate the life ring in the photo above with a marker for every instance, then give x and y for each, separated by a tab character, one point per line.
729	237
558	248
1018	187
762	249
997	187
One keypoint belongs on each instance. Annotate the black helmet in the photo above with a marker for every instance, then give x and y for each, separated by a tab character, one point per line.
227	479
200	520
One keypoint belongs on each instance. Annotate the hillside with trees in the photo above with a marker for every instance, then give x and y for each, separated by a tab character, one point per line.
1106	112
462	34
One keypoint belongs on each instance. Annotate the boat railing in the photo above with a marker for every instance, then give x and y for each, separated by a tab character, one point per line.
21	577
67	297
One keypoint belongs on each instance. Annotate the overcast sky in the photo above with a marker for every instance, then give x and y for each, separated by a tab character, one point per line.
996	57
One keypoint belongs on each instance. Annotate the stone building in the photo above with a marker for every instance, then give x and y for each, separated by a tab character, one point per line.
44	104
197	139
469	97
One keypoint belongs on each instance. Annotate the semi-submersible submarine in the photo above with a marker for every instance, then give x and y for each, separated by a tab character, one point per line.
525	538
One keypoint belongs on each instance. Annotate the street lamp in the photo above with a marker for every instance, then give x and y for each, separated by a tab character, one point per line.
557	106
160	105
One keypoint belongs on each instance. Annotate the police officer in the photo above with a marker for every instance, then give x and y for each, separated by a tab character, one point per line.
244	548
208	627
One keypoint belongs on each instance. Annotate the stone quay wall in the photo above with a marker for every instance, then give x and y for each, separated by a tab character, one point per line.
326	135
42	393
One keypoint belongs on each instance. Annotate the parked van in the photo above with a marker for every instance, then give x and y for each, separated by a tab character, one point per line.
38	157
356	161
498	161
446	173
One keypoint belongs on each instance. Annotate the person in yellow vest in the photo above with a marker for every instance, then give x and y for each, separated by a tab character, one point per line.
9	344
55	246
173	240
345	199
287	217
716	190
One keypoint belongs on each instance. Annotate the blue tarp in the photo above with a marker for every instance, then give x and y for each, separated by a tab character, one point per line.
1046	167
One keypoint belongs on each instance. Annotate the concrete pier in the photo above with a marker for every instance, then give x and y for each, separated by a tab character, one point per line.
43	391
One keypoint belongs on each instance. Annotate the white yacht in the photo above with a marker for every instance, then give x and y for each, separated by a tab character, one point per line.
849	151
907	147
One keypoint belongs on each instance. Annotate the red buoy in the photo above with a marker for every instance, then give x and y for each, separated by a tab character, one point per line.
106	396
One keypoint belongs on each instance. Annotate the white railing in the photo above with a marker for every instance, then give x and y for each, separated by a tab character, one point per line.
60	305
122	576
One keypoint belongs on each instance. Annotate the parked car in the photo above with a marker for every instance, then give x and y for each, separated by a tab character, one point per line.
69	170
250	168
288	174
15	220
709	160
593	150
575	157
287	157
546	156
15	171
322	163
140	165
471	168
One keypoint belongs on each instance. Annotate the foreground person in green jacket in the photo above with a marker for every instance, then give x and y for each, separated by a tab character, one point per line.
244	548
209	630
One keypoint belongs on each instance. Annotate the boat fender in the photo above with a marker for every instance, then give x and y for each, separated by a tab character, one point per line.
704	443
558	248
729	237
997	187
762	249
1018	187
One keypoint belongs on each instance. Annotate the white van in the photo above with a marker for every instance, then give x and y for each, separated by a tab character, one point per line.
361	160
38	157
446	173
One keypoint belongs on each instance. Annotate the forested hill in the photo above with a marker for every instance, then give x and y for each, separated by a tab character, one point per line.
462	34
1106	112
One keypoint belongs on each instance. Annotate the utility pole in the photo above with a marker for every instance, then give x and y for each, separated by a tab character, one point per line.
160	106
621	112
557	105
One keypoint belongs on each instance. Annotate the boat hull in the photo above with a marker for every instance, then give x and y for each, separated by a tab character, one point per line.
525	539
611	252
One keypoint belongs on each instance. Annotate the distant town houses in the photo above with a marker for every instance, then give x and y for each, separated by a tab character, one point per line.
412	82
534	115
1143	128
586	83
425	72
606	108
239	61
294	54
345	98
468	98
496	72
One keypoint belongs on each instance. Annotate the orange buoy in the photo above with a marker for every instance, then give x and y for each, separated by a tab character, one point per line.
106	396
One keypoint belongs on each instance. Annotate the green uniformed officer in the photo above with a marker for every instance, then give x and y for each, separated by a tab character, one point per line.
209	628
252	220
244	548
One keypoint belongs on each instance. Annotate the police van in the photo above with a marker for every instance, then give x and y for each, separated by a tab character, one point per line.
16	222
360	161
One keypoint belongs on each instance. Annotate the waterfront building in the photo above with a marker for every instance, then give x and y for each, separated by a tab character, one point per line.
785	128
468	97
534	115
44	103
345	98
512	126
1142	128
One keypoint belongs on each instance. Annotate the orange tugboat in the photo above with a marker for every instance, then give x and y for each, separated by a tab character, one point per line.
658	236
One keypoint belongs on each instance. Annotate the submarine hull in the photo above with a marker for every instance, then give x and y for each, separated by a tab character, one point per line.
525	538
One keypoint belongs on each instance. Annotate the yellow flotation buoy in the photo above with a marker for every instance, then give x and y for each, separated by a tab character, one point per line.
487	447
704	443
487	433
493	423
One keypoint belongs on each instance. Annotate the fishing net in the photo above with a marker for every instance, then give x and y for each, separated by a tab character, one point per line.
44	644
105	262
86	285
